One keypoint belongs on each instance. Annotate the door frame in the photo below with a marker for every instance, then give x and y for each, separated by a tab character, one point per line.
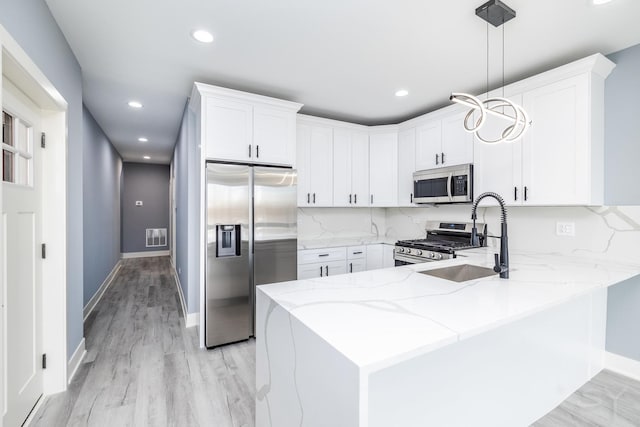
14	61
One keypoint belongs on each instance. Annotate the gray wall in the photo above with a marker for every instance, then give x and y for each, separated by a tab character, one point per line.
622	174
187	182
101	201
31	24
623	319
622	133
180	164
148	183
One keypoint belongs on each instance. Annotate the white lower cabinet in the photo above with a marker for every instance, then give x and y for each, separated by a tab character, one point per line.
321	269
313	263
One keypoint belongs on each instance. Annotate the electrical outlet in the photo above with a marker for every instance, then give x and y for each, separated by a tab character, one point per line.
566	229
138	202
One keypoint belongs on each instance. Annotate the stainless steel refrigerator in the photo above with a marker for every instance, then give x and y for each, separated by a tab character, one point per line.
251	240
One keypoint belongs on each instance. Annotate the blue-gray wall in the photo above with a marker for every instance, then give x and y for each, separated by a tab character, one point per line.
623	319
31	24
622	174
622	133
101	201
149	184
186	163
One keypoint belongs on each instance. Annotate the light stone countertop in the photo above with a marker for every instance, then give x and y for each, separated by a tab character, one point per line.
336	242
381	317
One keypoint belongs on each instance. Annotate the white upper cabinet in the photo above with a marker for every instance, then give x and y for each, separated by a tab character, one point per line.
559	161
442	141
383	168
243	127
557	149
428	145
274	136
406	166
498	167
228	129
315	165
350	168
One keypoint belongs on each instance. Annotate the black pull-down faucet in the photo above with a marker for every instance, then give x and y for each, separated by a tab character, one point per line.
502	262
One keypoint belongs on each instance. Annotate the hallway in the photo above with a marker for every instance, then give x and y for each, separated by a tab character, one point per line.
143	368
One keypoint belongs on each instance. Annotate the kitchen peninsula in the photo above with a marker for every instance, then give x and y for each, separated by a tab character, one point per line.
396	347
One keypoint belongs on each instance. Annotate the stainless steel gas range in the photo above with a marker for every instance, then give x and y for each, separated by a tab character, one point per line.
442	241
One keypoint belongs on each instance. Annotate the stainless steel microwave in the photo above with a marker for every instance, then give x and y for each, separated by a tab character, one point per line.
452	184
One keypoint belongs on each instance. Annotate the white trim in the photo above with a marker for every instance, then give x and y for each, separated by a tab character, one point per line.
622	365
76	360
218	91
34	411
147	254
95	299
190	319
37	86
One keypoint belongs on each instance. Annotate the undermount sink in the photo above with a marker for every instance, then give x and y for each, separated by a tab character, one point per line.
460	273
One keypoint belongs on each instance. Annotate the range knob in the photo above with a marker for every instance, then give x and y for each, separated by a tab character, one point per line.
439	256
400	250
432	255
408	251
419	252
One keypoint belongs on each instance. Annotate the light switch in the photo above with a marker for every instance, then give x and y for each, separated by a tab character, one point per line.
138	202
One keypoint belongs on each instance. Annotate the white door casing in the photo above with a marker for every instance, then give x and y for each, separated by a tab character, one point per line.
22	281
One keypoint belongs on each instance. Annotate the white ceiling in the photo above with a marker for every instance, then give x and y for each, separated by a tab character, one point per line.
343	59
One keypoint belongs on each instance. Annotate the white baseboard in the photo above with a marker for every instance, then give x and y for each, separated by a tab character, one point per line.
75	361
622	365
190	319
193	319
34	411
126	255
95	299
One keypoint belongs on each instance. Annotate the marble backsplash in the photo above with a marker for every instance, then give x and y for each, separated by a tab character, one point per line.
330	223
600	232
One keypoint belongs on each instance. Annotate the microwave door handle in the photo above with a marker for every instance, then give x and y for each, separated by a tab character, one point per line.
449	182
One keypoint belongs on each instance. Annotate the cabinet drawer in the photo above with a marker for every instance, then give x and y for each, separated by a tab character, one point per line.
308	256
356	252
321	269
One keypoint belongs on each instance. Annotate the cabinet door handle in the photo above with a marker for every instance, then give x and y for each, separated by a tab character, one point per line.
320	271
411	197
372	199
350	267
326	270
349	198
357	253
258	152
314	198
308	198
323	255
442	157
526	190
355	199
515	194
437	159
249	150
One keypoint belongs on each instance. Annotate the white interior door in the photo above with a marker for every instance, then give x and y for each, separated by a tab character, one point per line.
22	263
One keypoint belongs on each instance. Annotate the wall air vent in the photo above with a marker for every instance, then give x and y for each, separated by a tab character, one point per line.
156	237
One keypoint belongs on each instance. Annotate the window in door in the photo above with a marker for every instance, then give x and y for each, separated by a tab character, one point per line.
17	150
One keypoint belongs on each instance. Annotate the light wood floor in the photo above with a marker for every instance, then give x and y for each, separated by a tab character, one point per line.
143	368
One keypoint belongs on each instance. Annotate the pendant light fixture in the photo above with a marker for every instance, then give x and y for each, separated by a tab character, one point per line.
495	13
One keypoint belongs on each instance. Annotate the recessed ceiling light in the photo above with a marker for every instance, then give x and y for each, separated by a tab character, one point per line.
202	36
134	104
597	2
146	157
402	92
143	139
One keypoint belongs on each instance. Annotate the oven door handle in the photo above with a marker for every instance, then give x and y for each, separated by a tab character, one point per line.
449	182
